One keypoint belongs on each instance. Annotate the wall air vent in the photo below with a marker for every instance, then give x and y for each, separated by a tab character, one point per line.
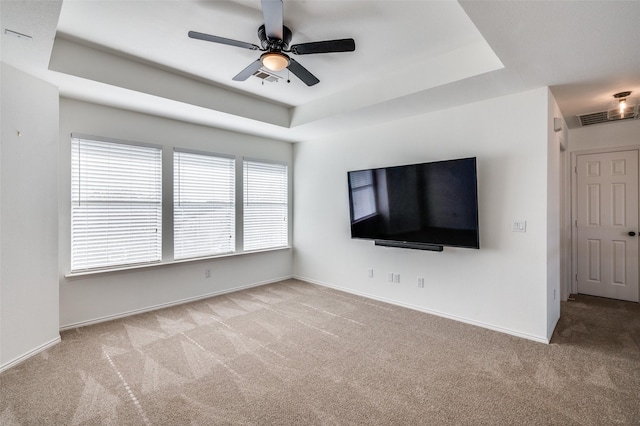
265	75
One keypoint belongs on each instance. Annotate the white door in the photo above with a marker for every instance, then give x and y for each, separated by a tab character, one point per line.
607	225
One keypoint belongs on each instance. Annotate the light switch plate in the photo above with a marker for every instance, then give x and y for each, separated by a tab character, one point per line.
519	226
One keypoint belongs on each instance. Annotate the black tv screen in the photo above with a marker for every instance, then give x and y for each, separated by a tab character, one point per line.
427	205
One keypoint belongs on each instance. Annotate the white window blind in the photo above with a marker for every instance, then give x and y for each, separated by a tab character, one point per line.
265	205
363	198
116	197
204	205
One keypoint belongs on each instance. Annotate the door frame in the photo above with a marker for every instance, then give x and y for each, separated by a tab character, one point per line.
573	283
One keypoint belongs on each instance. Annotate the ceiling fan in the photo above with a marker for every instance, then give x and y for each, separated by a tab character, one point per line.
274	41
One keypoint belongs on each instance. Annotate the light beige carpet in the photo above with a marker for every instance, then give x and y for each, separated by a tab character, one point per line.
296	353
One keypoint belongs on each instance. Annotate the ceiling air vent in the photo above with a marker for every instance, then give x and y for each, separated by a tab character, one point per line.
593	118
615	114
266	76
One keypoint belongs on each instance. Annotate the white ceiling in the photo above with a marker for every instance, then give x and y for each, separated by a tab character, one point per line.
411	57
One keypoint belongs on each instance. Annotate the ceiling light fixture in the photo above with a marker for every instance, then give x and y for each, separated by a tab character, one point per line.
275	61
622	107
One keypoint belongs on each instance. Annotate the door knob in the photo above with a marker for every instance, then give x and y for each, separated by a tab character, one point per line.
632	234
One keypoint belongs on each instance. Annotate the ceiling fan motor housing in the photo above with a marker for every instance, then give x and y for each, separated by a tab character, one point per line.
274	44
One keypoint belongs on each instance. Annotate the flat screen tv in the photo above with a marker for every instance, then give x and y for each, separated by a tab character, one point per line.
421	206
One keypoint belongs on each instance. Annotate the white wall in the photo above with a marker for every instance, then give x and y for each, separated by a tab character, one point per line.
503	285
28	216
555	225
1	139
107	295
1	203
615	134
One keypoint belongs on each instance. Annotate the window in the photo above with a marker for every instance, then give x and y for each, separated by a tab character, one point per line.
204	204
116	197
116	204
363	197
265	205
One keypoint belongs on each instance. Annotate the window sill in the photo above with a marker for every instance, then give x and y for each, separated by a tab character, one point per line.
94	272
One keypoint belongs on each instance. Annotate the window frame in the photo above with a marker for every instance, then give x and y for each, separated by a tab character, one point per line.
287	204
176	194
158	203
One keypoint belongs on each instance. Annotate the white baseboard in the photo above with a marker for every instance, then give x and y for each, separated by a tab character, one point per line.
29	354
169	304
527	336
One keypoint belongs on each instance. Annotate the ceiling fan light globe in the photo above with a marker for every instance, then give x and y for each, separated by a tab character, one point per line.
275	61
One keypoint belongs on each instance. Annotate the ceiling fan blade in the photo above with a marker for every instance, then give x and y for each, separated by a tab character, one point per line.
302	73
222	40
248	71
328	46
273	18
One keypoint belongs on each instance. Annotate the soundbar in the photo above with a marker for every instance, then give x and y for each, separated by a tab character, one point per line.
405	244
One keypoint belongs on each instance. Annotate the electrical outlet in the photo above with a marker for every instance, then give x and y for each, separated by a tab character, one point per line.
370	272
420	282
396	278
207	273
